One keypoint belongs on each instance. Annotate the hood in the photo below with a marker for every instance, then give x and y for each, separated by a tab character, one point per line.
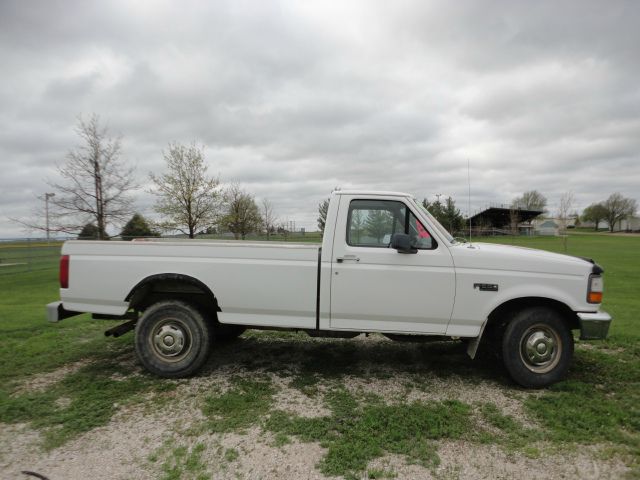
509	257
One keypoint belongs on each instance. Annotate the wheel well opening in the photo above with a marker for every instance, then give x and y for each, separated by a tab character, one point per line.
173	286
501	315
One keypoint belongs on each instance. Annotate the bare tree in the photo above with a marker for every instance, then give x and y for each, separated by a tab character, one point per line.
617	208
242	215
188	198
95	187
566	202
269	218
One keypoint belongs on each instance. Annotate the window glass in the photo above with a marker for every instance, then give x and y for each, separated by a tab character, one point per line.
371	223
420	237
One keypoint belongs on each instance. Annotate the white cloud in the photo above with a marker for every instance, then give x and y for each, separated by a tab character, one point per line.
294	98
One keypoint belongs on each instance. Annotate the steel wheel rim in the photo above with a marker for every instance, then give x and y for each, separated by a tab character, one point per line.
171	340
540	348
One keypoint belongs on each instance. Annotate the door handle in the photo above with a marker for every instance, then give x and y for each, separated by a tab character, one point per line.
348	258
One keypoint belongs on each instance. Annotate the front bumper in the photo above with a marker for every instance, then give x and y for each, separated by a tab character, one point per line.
56	312
594	326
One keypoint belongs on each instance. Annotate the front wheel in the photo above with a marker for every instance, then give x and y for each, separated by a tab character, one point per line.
172	339
537	347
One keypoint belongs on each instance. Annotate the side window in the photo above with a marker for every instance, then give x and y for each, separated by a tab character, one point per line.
371	223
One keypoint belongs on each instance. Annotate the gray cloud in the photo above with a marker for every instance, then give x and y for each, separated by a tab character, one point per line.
294	98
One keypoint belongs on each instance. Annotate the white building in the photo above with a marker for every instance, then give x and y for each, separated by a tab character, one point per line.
547	227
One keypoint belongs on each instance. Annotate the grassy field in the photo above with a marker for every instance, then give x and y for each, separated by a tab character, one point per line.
16	257
66	379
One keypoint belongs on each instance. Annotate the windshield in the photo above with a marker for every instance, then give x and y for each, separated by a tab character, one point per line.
443	231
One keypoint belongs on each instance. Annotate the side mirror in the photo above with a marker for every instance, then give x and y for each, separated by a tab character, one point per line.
402	243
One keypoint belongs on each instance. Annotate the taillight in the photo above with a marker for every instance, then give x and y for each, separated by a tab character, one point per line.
596	287
64	271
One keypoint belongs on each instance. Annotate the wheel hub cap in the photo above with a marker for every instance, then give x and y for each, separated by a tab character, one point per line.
540	348
169	340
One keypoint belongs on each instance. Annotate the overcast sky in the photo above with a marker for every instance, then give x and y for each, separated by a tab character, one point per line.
292	99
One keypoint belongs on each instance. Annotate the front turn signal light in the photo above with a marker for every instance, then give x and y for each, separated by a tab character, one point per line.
595	297
596	287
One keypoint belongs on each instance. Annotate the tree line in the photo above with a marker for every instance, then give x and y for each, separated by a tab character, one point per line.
613	209
95	192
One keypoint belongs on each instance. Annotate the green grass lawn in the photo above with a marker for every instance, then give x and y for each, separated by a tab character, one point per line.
599	403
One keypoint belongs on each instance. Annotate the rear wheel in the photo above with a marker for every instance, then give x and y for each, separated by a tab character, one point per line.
172	339
537	347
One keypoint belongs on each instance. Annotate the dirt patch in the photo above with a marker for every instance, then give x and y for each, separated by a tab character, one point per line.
116	451
294	401
462	460
490	462
260	458
401	389
122	450
42	381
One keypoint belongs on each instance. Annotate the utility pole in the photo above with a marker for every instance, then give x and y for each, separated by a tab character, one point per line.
47	196
438	195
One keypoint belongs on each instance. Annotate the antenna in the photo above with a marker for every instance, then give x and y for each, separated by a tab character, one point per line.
469	200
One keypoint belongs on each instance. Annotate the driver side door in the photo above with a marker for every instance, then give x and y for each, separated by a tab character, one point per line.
375	288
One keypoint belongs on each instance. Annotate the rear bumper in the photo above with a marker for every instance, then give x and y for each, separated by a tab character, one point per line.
56	312
594	326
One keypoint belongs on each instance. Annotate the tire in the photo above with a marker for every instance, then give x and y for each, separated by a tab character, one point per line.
537	347
172	339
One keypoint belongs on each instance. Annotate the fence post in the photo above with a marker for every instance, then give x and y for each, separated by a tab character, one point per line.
28	254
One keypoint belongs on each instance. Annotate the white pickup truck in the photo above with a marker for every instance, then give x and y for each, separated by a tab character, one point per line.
385	265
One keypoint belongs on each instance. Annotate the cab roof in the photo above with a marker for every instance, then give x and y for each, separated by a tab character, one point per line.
372	192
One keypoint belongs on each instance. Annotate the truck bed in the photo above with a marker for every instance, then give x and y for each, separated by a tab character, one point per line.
241	274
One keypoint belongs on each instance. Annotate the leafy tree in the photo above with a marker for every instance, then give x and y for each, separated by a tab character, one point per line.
576	219
452	216
617	208
596	212
89	232
323	208
188	198
357	225
137	227
242	215
96	184
378	223
435	208
530	200
447	214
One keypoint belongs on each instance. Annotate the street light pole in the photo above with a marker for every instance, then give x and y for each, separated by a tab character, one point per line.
47	196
